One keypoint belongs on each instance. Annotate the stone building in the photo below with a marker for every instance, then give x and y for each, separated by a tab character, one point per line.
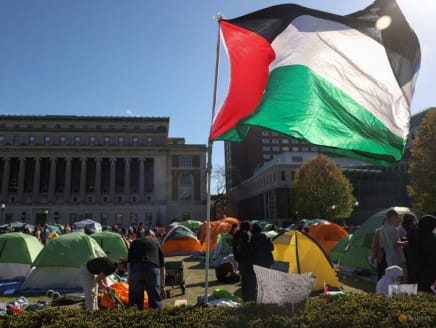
115	170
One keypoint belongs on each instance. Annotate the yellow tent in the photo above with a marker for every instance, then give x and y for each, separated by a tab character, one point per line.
296	252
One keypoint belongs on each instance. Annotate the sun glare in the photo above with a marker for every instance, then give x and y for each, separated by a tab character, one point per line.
383	23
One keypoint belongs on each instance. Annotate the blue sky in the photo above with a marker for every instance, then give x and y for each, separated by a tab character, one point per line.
144	57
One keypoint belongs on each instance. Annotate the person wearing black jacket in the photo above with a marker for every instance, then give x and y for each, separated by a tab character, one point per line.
244	256
262	247
146	272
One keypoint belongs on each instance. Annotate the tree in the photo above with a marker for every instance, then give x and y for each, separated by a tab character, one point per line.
422	169
221	203
322	190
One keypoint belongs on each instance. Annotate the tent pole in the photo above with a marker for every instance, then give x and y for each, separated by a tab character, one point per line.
218	17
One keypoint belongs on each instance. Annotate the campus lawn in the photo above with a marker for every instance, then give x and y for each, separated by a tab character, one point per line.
194	276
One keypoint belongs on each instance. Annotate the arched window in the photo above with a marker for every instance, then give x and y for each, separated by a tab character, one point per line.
185	190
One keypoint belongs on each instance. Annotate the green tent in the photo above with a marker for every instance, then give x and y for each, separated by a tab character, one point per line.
58	263
17	252
112	243
194	225
338	250
357	251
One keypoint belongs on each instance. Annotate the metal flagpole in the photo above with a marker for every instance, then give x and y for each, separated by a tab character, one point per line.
218	17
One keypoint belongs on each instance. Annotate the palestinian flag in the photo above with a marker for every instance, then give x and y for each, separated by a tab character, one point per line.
344	83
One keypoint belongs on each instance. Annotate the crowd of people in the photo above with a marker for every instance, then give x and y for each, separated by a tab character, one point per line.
404	250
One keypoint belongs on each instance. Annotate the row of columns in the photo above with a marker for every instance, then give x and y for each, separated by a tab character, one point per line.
68	176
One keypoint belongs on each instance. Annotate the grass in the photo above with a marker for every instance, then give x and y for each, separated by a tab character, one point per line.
194	277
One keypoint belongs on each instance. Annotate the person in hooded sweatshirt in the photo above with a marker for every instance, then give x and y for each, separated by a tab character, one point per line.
392	276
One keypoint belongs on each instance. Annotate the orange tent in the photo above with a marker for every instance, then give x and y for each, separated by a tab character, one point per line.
327	234
180	240
216	227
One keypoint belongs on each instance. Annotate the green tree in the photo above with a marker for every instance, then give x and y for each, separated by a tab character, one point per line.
422	169
322	190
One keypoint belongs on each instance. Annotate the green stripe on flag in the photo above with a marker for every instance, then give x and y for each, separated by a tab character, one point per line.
300	103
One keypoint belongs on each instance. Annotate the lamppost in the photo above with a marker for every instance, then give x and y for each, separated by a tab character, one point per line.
46	216
3	206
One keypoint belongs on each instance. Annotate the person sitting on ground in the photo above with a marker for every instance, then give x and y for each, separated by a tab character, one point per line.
226	273
392	276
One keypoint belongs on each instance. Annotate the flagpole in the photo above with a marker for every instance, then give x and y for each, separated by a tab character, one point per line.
218	17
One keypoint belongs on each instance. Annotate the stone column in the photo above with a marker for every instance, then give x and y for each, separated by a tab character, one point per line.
141	180
36	180
52	181
127	177
5	178
21	177
67	190
82	188
113	178
97	179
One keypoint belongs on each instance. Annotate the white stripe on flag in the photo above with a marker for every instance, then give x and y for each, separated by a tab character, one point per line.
351	61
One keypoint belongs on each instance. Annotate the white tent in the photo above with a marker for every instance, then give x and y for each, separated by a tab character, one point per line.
92	225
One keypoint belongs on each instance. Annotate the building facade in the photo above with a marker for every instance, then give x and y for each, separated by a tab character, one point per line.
115	170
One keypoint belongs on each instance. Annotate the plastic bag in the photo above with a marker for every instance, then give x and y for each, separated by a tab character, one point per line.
122	291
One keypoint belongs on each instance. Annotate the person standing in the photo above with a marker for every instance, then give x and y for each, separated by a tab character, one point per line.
243	255
391	243
146	271
262	247
423	250
93	275
378	253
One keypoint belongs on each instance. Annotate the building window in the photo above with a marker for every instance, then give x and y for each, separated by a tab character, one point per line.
314	148
296	149
305	148
275	141
92	140
106	140
47	140
133	219
31	140
2	140
185	161
266	156
266	148
103	218
285	148
276	148
297	158
62	140
265	133
285	141
120	140
16	140
135	140
185	187
265	141
295	141
119	219
77	140
149	140
84	126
